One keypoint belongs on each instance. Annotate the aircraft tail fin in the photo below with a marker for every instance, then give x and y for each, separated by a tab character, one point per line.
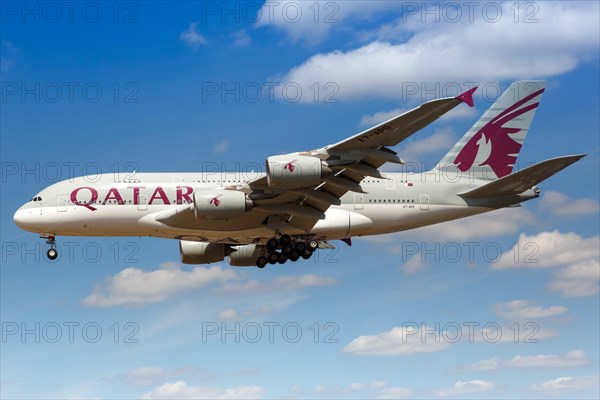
523	180
490	148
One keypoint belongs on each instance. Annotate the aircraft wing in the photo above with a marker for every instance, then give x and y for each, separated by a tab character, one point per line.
303	199
394	131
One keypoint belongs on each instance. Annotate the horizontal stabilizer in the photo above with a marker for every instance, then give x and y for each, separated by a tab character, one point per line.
523	180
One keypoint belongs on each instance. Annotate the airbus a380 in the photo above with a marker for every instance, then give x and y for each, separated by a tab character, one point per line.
309	198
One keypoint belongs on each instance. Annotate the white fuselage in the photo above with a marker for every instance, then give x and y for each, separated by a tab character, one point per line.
109	207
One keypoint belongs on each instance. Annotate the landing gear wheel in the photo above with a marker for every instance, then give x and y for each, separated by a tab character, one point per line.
300	246
313	245
261	262
285	239
287	249
52	254
294	256
306	254
282	258
272	244
273	257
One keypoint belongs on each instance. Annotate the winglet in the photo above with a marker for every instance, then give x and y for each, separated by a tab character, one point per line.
467	96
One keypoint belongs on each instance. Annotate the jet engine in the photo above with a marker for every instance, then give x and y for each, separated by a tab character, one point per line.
294	171
201	252
245	256
220	204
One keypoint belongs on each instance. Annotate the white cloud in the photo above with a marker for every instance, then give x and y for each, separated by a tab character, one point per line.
311	21
525	310
181	390
480	51
222	146
549	249
562	205
7	48
146	376
134	286
241	38
319	389
278	285
566	385
578	280
495	223
478	227
459	112
441	140
397	341
368	121
526	333
575	358
155	376
490	364
572	359
362	386
192	36
6	64
394	393
417	263
465	387
376	389
231	314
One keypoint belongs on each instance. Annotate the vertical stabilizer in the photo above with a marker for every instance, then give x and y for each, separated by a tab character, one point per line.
490	148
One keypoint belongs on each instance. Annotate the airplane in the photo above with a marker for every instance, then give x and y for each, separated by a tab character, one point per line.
304	200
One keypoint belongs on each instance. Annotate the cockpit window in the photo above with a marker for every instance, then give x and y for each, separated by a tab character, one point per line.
37	198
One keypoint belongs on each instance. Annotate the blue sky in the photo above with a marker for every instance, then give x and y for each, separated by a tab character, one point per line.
156	86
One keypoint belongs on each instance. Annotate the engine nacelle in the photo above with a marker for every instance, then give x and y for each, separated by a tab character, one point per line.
201	252
294	171
245	256
220	204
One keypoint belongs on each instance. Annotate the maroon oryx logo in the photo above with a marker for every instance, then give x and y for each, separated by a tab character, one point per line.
215	200
494	141
290	166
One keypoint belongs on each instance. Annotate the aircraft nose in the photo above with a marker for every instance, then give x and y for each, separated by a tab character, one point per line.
23	218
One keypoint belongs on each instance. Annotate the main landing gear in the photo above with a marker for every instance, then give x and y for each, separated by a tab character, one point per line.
283	249
52	253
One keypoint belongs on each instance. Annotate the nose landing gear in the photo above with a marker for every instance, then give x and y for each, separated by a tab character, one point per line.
52	253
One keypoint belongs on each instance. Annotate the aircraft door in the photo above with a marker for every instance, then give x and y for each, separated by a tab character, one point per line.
358	202
62	204
424	202
390	183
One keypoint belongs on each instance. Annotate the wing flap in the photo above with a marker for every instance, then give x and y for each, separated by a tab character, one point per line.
292	209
